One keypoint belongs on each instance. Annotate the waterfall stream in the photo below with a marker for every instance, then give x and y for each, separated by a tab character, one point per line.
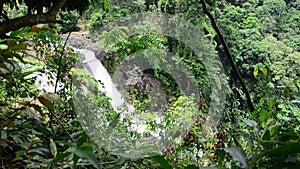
95	67
107	86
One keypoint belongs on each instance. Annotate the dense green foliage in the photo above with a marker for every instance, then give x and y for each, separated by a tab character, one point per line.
41	129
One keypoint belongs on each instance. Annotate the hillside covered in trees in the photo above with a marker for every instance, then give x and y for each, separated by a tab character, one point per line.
147	84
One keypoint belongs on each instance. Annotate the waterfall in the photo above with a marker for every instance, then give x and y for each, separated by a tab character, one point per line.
106	85
95	67
145	141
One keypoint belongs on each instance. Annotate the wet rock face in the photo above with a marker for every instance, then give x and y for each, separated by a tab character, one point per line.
132	78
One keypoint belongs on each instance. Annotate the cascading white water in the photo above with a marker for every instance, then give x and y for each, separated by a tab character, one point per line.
99	72
95	67
118	102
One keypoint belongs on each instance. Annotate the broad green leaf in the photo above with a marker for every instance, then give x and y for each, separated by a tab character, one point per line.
162	161
264	70
23	95
61	156
271	103
46	102
19	31
296	83
88	156
39	151
31	34
34	62
14	55
50	165
282	106
53	148
3	46
19	154
255	72
31	71
261	102
286	92
53	97
4	134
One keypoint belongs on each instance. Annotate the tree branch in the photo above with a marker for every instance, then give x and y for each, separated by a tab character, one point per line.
30	20
228	54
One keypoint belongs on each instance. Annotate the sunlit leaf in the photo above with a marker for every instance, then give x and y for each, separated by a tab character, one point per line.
261	102
20	31
255	72
14	55
53	148
53	97
3	46
106	5
31	34
264	70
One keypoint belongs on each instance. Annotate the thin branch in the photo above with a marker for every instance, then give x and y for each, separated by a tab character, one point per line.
58	75
228	54
59	64
61	57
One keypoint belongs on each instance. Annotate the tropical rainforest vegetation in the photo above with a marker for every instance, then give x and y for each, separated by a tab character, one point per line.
257	41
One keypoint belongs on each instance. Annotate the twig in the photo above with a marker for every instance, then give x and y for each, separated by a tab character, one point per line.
61	57
57	78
